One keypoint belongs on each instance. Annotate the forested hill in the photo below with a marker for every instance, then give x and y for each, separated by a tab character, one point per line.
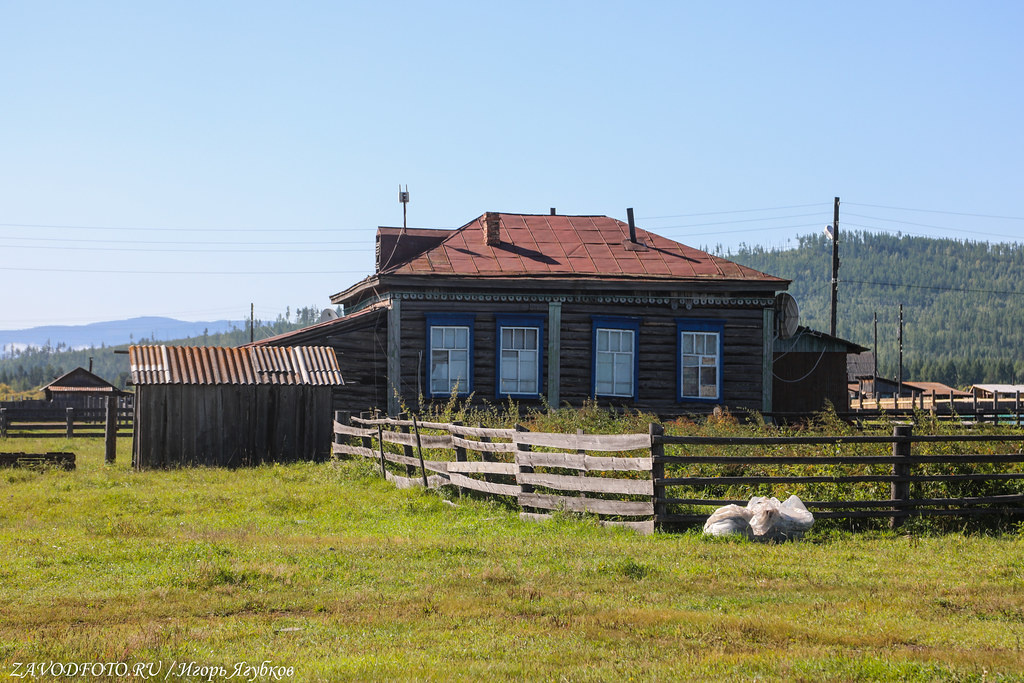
963	302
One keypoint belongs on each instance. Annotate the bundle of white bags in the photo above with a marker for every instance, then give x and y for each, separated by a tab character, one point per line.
764	519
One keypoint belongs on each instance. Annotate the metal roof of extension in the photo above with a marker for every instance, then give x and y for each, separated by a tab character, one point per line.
210	365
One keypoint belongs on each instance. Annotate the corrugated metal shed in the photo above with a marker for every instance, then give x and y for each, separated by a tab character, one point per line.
206	365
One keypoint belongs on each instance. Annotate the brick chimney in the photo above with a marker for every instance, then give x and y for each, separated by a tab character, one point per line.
492	235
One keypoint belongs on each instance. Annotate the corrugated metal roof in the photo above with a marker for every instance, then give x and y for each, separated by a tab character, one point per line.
594	246
312	365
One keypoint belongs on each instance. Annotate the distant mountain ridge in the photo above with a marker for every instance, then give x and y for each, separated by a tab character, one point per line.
112	333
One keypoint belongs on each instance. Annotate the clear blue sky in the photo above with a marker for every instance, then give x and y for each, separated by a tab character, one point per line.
205	155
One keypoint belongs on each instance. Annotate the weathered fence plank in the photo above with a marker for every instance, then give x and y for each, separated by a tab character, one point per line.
474	467
598	506
586	442
485	486
562	482
587	463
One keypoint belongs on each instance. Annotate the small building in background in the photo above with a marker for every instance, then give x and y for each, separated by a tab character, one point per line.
993	390
80	389
810	372
231	407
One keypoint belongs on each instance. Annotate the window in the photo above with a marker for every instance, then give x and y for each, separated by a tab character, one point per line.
615	362
700	359
520	355
450	350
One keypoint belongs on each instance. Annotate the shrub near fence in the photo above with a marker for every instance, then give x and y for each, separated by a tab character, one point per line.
683	478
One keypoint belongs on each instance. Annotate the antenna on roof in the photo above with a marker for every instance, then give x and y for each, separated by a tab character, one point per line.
403	197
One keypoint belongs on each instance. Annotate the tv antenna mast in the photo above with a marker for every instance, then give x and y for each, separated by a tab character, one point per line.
403	197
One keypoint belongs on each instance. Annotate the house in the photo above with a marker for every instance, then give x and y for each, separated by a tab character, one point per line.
80	388
552	308
810	372
231	407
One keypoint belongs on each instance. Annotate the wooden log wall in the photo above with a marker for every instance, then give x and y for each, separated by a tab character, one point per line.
657	344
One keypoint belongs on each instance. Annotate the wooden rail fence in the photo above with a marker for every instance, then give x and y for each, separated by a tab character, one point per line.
70	423
586	473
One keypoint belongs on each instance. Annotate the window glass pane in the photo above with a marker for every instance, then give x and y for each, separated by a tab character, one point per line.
602	340
687	342
506	338
690	381
528	386
462	337
509	365
627	341
531	338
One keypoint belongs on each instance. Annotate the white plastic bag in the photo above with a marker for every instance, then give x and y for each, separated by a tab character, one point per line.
729	520
765	519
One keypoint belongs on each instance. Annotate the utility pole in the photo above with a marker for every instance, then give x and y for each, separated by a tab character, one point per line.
252	322
835	264
899	379
874	354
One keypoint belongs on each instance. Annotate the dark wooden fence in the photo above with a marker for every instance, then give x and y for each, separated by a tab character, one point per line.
38	420
652	487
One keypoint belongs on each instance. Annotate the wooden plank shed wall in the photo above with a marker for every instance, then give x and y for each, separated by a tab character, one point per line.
230	425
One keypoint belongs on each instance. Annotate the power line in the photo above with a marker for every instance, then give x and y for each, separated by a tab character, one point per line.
965	290
225	242
152	229
927	225
743	220
184	272
949	213
719	213
199	251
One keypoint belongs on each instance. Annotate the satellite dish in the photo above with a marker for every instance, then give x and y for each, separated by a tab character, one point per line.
328	314
787	315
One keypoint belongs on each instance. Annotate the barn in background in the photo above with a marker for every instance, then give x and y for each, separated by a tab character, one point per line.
80	388
231	407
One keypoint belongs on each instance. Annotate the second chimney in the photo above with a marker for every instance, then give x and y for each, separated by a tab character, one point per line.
492	233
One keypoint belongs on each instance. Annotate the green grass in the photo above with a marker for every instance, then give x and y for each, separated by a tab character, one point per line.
328	569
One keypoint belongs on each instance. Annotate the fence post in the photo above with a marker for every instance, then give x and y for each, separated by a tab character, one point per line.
900	470
407	451
657	471
460	452
380	441
70	417
110	433
3	423
419	451
520	468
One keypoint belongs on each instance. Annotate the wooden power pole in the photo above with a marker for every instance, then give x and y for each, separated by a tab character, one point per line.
835	265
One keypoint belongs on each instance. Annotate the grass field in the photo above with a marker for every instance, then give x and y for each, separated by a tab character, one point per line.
329	570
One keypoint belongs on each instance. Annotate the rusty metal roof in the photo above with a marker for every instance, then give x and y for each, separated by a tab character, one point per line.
308	365
559	245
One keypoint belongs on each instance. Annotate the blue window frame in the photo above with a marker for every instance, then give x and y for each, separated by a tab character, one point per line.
520	356
449	354
615	361
700	347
